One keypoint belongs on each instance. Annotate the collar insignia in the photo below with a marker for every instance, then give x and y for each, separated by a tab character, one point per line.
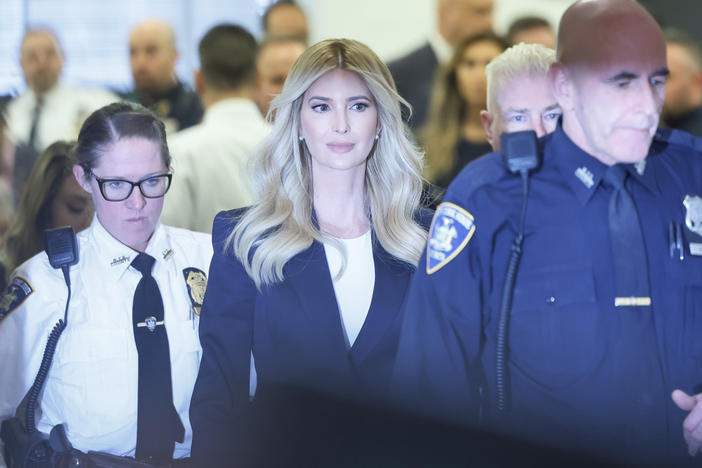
585	176
640	167
119	260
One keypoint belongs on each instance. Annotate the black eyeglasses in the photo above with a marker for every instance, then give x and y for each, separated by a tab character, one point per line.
119	189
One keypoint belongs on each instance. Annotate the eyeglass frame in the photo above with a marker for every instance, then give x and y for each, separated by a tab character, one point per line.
100	181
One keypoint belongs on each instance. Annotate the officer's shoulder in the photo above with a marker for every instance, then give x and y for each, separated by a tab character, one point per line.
484	171
187	238
38	268
676	141
35	277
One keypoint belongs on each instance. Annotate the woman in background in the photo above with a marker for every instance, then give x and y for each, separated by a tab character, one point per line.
51	198
310	280
454	135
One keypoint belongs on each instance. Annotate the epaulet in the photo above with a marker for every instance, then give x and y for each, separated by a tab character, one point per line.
483	171
665	137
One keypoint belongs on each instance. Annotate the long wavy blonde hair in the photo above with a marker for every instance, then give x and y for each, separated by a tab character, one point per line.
281	225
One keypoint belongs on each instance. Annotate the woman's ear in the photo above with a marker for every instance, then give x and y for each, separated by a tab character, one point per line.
82	179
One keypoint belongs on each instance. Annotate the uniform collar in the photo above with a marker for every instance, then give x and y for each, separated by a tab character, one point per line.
584	173
116	257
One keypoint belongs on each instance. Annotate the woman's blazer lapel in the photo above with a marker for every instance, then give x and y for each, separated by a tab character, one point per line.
391	280
308	275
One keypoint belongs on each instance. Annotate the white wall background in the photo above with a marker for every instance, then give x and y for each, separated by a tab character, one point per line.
394	27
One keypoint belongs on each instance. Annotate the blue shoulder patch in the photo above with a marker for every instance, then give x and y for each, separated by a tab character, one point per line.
17	291
451	229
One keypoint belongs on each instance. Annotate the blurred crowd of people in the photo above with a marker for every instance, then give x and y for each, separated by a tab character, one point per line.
214	127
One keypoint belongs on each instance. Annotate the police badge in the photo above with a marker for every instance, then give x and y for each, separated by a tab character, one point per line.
693	223
196	281
450	231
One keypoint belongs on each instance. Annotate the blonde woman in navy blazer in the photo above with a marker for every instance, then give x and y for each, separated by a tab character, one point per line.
308	282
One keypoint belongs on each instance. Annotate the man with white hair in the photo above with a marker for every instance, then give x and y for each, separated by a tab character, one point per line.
519	95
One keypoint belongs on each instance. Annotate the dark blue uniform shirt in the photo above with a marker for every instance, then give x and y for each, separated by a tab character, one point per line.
584	375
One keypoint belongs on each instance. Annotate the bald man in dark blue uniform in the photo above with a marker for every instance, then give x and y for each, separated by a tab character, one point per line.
603	325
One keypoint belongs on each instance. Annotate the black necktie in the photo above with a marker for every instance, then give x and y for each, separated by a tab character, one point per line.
31	140
158	423
628	249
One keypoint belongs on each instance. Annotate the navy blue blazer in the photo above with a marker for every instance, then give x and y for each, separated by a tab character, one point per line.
295	331
414	77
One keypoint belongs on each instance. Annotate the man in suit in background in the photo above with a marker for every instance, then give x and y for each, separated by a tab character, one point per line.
152	56
414	72
47	111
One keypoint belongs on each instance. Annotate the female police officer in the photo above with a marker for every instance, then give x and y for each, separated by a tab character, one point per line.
310	279
128	337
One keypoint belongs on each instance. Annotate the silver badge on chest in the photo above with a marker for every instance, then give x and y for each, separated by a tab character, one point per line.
693	223
693	214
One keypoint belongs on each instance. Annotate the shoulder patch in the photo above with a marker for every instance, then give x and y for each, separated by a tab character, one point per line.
196	282
17	291
451	229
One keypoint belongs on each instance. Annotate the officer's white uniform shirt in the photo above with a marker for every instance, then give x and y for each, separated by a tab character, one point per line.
92	384
210	164
63	111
